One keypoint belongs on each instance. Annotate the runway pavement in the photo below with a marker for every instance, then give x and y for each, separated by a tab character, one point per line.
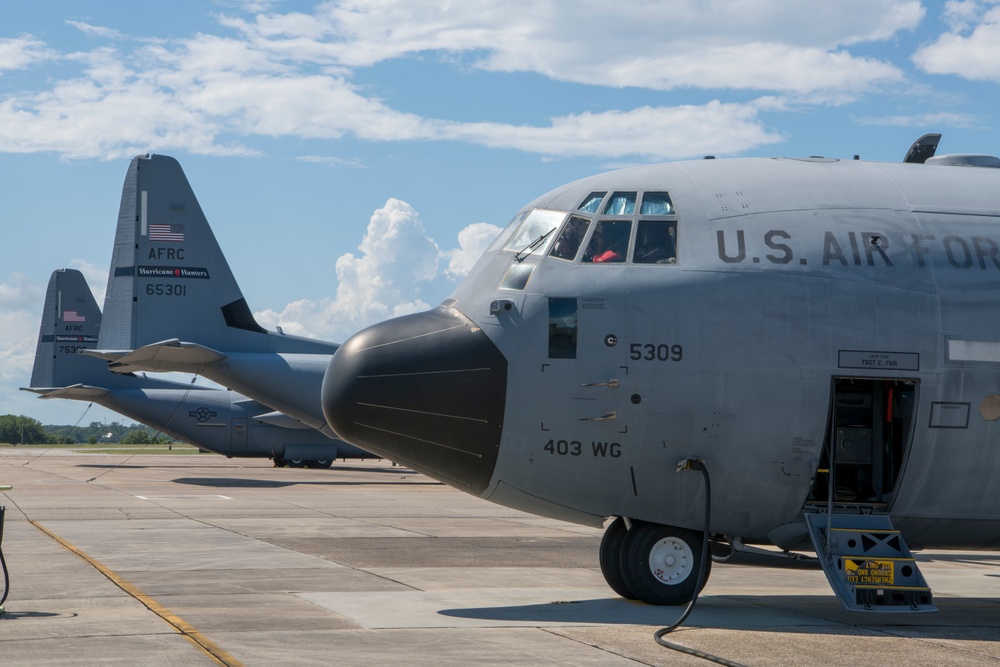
203	560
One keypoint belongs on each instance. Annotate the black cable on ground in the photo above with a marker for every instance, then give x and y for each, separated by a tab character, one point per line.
3	563
71	429
696	464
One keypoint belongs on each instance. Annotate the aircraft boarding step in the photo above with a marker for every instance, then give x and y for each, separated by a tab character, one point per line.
868	563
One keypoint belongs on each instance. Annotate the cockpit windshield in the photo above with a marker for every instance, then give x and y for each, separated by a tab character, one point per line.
609	229
535	232
514	223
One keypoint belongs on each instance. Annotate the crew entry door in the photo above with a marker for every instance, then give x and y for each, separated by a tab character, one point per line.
868	435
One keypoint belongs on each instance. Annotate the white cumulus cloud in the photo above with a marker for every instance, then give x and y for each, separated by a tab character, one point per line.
20	315
472	243
396	259
971	49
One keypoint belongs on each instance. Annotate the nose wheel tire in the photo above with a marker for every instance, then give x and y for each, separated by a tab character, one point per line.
611	557
660	563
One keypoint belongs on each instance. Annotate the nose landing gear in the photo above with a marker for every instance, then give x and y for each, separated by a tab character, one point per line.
610	557
651	562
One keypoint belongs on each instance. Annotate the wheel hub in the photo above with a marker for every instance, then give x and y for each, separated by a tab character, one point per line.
671	560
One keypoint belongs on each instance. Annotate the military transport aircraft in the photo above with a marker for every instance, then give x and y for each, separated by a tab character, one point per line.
173	304
821	335
213	419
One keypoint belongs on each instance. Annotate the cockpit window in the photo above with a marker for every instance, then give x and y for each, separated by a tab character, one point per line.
656	203
592	202
568	243
620	203
655	242
517	276
535	231
562	328
609	243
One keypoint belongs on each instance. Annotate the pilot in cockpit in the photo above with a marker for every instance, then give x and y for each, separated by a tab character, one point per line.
567	244
598	252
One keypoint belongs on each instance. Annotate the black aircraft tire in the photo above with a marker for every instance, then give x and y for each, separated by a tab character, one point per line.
296	463
279	462
324	463
660	563
610	556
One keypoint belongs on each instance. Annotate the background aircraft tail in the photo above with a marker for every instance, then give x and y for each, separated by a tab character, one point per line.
169	277
71	321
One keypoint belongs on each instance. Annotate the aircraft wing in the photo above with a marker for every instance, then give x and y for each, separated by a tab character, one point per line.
281	419
166	356
77	391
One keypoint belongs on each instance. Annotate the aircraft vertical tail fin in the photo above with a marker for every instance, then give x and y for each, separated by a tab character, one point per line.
169	278
70	323
168	272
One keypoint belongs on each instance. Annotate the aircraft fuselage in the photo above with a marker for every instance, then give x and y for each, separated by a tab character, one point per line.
807	301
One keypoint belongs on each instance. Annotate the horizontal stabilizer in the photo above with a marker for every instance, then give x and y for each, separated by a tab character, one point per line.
281	419
107	355
76	391
165	356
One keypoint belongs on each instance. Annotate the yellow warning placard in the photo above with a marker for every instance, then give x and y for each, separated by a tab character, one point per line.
869	572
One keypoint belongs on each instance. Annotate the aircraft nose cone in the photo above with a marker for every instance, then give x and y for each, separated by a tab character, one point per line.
425	390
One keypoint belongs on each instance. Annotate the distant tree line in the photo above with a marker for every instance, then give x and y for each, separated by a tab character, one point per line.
21	430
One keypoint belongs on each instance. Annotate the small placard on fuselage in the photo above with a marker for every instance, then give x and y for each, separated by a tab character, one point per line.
879	361
946	414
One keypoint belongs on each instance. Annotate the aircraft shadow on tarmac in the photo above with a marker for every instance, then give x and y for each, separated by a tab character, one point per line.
977	559
776	561
229	482
24	615
135	466
809	614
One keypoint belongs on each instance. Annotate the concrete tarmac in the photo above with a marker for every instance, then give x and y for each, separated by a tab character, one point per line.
203	560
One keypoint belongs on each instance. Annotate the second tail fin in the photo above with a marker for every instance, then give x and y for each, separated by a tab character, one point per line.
70	324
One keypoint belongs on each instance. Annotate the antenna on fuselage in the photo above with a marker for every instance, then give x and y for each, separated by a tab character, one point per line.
922	149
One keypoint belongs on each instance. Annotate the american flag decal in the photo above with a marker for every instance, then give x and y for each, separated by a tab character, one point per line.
161	232
74	316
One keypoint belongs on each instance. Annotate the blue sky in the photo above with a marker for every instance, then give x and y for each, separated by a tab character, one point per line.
355	157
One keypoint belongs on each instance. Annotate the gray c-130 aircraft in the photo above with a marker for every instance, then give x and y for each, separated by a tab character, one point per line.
173	304
217	420
820	336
